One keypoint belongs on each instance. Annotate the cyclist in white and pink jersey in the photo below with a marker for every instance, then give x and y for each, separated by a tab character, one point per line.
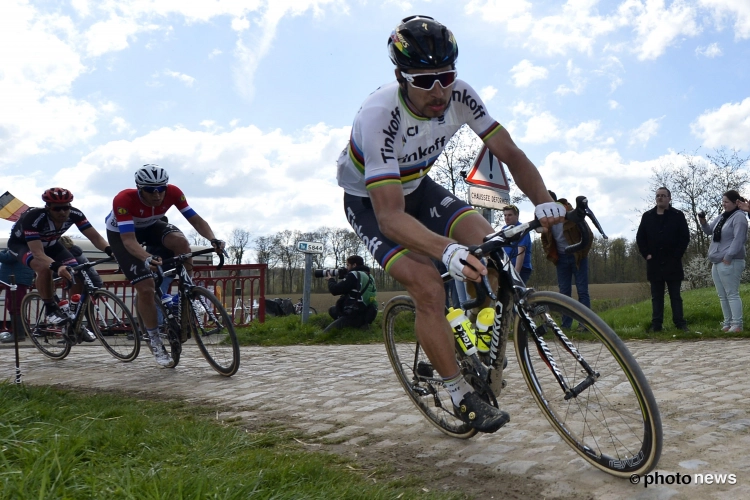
136	220
404	217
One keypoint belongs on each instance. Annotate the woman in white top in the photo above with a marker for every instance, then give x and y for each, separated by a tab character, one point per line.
727	255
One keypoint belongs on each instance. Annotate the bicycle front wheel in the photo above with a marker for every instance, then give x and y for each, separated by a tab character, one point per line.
213	331
422	383
614	424
113	324
47	338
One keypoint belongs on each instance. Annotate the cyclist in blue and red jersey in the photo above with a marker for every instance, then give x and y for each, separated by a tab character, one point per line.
34	241
136	220
404	217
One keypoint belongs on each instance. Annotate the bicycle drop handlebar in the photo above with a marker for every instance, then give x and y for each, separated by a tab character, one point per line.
496	242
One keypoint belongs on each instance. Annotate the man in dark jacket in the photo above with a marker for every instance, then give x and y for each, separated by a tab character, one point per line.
357	305
662	239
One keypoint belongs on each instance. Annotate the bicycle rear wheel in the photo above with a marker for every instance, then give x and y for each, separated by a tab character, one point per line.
113	324
213	331
422	383
47	338
614	424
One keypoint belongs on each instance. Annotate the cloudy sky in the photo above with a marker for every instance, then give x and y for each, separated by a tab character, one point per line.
247	103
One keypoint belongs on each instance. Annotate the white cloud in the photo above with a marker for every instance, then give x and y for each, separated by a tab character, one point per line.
583	132
736	10
243	177
645	131
524	73
186	79
541	128
577	81
658	27
121	126
487	93
240	24
711	51
613	104
727	126
214	53
515	14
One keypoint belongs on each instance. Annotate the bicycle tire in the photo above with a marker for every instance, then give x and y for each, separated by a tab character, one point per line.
48	339
615	423
414	371
169	338
113	324
213	331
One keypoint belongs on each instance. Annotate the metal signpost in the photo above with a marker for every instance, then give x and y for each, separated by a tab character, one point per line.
488	185
308	248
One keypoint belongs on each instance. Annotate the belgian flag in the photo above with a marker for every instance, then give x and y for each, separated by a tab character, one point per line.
11	207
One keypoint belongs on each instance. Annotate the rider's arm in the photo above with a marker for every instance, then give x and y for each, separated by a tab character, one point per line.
524	173
95	238
37	250
133	247
202	227
389	205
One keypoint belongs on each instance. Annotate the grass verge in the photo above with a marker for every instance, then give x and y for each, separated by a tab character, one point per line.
629	320
62	444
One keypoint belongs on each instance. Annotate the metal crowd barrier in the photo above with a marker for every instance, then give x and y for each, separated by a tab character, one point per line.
240	288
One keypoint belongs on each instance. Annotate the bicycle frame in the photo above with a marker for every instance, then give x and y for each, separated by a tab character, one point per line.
510	301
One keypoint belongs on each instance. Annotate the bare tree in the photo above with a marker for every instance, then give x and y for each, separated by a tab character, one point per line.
238	243
197	240
699	184
458	156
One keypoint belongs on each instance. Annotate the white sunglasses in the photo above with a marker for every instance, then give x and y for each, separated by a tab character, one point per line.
426	81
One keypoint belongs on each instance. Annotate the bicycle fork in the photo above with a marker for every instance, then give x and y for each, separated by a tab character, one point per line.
544	352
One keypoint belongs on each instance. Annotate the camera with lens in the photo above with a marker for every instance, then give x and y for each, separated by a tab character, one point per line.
339	273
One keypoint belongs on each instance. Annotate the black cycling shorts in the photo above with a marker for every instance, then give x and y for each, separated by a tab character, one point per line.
133	268
56	252
431	204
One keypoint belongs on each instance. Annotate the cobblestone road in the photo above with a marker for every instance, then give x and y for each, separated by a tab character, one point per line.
350	394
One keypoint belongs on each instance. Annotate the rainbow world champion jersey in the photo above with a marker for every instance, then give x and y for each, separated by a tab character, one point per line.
391	145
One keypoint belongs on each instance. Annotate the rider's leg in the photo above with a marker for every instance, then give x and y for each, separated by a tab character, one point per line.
43	278
177	243
471	230
421	279
146	305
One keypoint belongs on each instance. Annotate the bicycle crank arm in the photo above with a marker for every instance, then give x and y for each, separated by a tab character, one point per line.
587	382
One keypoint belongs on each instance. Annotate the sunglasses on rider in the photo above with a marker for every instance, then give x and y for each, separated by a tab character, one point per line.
61	208
425	81
154	189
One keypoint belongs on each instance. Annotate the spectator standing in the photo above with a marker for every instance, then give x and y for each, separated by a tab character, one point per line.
569	266
519	252
9	265
727	256
662	240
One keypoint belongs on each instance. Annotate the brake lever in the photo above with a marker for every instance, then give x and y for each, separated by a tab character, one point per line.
596	223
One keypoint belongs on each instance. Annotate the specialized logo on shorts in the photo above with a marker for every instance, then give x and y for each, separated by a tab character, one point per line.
122	210
434	213
447	201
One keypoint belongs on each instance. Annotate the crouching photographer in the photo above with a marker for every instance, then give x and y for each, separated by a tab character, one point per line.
357	305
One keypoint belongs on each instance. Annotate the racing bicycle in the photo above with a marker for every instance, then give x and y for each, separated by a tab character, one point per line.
198	315
299	307
585	381
99	312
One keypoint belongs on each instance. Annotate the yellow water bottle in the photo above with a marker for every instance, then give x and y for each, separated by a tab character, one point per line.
463	330
485	319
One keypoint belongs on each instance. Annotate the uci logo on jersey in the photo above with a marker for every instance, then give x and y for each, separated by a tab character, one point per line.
122	210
